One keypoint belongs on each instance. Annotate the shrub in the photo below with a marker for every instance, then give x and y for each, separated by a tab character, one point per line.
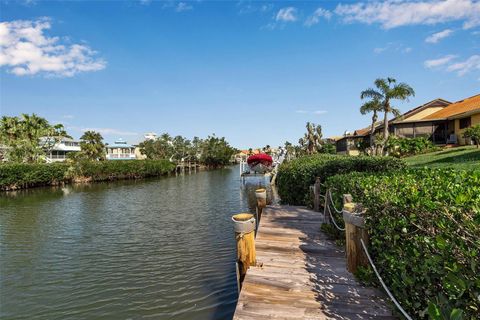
403	147
114	170
18	176
424	228
22	175
295	177
474	134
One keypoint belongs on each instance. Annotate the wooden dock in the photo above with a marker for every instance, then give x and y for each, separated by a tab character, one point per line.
300	274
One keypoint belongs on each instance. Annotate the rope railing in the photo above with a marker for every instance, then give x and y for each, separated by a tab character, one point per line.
331	201
328	198
405	314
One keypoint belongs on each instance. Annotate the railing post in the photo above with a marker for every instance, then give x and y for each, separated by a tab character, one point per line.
354	231
261	195
316	195
244	226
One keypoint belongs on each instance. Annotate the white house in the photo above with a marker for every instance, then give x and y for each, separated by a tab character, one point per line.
120	150
61	149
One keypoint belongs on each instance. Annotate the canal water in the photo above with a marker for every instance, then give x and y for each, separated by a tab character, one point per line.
160	249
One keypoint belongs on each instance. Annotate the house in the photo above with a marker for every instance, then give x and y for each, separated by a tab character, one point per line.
415	123
59	151
352	143
120	150
440	120
457	117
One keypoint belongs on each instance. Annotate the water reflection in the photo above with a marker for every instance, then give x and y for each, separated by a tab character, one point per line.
159	248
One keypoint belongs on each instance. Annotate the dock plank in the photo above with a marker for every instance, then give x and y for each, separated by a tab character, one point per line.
301	274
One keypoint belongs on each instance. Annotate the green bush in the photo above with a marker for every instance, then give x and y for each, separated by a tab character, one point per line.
19	175
295	177
22	175
404	147
114	170
424	228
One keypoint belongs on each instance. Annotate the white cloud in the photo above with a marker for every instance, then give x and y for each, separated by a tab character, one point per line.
25	49
110	131
317	14
393	46
396	13
247	8
434	63
464	67
436	37
288	14
183	6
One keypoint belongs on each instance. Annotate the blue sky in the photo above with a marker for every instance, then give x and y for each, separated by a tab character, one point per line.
253	72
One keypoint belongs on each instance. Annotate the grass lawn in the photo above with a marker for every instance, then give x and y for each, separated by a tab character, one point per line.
459	157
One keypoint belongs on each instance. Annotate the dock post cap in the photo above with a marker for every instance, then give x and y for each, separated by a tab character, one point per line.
261	193
244	222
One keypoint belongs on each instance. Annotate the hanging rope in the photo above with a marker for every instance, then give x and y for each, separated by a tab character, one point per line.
326	208
383	283
331	201
333	220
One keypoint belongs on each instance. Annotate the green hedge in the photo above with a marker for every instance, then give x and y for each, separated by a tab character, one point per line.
295	177
113	170
424	228
19	176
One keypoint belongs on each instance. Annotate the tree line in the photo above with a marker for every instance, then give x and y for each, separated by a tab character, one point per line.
30	139
212	151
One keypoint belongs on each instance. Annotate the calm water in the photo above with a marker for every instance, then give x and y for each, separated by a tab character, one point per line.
160	249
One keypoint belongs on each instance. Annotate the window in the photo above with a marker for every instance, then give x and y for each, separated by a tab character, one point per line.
465	122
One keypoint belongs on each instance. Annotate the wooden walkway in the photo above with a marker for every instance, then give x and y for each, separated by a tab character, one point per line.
302	274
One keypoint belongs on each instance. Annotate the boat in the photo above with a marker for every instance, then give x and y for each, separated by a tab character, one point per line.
260	163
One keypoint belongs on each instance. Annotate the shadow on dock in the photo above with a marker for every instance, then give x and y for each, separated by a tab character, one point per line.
304	274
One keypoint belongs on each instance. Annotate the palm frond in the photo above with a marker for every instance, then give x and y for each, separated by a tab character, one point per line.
383	85
401	91
371	93
371	106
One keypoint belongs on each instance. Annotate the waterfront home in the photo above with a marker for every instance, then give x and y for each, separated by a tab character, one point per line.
60	150
440	120
457	117
352	143
120	150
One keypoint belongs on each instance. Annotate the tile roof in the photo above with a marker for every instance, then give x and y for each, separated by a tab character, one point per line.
457	108
365	131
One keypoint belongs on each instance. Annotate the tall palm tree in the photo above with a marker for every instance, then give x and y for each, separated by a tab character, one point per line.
92	145
374	106
387	90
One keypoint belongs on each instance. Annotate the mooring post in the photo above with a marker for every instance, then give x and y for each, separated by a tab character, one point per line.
316	195
261	195
244	226
354	231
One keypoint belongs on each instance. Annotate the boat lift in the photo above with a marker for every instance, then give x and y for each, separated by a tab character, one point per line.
278	159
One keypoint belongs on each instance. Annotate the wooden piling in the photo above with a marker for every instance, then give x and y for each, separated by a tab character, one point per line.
244	225
261	195
316	195
354	231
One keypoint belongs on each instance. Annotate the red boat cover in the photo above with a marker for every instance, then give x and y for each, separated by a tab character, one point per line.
260	158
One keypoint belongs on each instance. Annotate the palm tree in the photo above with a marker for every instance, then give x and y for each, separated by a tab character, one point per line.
374	106
92	145
387	90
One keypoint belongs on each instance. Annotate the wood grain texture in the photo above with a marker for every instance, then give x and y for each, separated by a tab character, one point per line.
301	274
